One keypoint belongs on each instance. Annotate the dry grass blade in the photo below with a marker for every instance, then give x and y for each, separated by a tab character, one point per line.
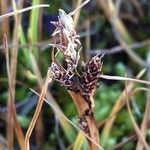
12	117
118	105
63	116
76	17
14	56
10	121
5	24
79	7
22	10
140	89
79	141
37	111
124	79
144	125
138	132
40	81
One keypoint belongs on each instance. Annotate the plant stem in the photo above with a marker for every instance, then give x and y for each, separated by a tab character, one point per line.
82	106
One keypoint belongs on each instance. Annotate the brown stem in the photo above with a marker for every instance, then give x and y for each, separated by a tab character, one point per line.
83	107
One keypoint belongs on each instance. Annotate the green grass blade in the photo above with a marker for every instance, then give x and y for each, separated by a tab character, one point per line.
33	27
68	130
25	51
79	142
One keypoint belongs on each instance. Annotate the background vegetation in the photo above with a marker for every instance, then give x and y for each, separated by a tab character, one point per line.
120	28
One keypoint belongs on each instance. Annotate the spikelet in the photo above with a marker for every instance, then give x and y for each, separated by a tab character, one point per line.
66	40
59	74
90	77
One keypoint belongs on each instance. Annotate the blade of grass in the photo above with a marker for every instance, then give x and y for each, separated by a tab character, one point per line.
76	16
146	118
22	11
78	144
12	119
39	128
78	8
119	103
124	79
13	67
5	24
33	27
67	128
137	130
37	111
25	50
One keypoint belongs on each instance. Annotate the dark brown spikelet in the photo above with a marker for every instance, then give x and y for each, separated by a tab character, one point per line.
90	77
59	74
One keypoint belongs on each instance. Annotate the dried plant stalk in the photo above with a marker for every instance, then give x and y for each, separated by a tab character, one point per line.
121	101
12	115
87	121
137	130
36	114
11	71
80	87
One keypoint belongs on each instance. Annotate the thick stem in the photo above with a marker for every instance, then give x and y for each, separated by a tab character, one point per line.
84	109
